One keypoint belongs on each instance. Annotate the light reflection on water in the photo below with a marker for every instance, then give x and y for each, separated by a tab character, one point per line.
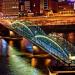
4	47
15	64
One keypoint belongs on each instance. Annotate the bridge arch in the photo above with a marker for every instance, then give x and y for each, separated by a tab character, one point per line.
39	40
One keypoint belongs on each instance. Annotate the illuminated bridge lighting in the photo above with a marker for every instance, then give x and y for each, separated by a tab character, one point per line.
28	33
37	36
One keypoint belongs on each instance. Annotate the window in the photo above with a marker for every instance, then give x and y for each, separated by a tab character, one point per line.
45	4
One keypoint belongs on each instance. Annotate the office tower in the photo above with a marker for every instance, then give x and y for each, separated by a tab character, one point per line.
10	7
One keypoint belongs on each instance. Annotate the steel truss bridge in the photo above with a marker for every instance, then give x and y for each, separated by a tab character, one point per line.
59	49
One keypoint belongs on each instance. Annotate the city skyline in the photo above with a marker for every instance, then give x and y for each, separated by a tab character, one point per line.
17	7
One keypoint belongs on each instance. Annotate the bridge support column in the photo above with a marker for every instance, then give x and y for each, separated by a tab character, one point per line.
47	64
34	62
11	44
22	45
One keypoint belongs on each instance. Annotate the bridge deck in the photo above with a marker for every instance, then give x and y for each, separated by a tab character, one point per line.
52	20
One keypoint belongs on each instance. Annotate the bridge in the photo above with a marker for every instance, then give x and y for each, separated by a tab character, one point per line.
37	36
45	20
49	24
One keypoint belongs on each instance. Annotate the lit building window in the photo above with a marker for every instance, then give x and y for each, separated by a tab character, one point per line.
14	7
45	4
61	0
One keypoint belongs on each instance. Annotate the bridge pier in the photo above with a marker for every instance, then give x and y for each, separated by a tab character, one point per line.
11	45
45	62
34	62
22	45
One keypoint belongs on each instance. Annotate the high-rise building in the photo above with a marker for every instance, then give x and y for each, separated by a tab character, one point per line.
24	7
39	6
13	7
10	7
0	5
35	6
53	5
49	5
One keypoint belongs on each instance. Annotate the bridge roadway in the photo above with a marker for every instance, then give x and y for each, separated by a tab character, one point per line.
45	20
49	24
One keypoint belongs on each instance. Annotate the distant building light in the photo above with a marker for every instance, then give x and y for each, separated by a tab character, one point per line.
14	7
34	5
71	0
61	0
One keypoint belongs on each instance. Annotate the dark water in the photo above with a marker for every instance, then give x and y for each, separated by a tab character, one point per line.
19	67
10	66
4	67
